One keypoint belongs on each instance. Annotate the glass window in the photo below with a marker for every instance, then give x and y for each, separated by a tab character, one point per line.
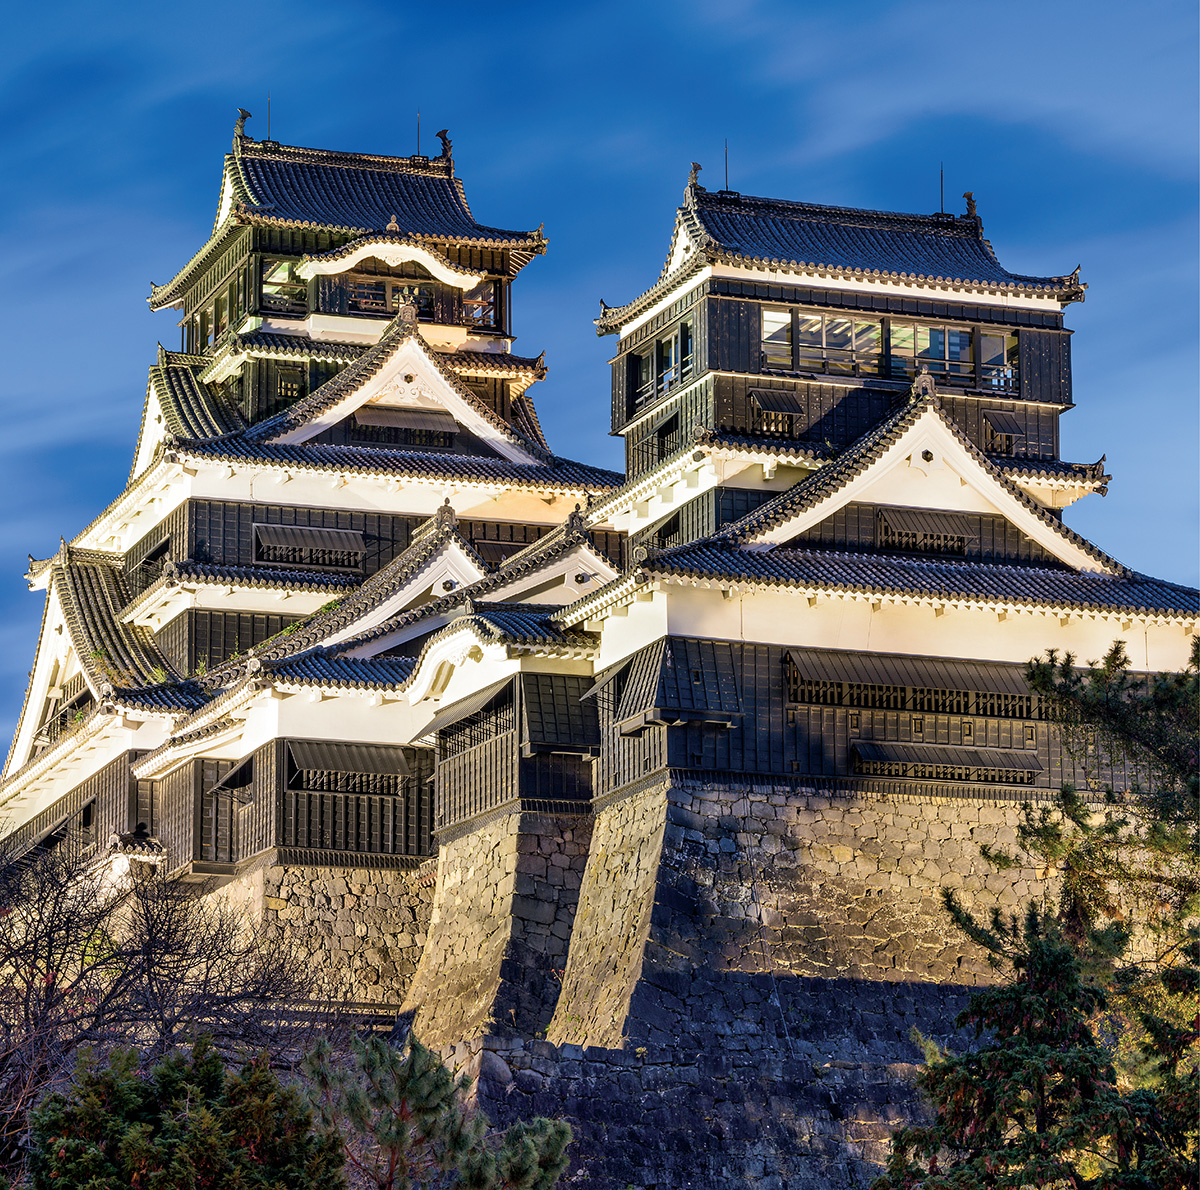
479	305
998	359
958	353
903	339
839	345
867	336
777	339
281	288
809	333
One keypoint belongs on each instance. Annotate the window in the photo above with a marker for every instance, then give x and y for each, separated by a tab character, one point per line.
308	546
282	289
818	692
479	305
945	351
663	367
777	339
831	343
999	361
290	385
422	297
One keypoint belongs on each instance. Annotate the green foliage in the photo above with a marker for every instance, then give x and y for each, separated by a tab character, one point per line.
1036	1104
405	1126
1136	857
186	1124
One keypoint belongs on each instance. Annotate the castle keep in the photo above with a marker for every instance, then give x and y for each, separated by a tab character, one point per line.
637	791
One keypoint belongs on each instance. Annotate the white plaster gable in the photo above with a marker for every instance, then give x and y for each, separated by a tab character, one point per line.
154	430
411	380
563	580
449	564
54	665
929	466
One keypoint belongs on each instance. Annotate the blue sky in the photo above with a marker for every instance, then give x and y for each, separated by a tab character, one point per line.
1074	122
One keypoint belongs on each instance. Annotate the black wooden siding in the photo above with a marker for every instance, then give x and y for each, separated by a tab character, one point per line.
703	516
102	805
773	737
1040	440
198	640
881	303
835	414
1046	366
855	527
523	744
365	824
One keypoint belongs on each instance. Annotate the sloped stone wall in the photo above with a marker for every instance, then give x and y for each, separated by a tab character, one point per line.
502	914
770	950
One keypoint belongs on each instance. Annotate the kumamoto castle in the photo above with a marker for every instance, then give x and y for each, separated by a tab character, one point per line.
638	790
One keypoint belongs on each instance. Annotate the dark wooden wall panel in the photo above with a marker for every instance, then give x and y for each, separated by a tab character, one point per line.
773	737
854	527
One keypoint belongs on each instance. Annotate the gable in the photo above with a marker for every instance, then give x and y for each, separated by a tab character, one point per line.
918	459
881	528
558	580
397	376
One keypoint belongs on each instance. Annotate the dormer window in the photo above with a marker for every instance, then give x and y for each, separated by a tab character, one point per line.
1002	432
309	547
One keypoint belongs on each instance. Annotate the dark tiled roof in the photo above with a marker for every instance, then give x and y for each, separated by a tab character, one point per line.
362	192
556	474
379	587
320	669
829	570
1092	473
190	409
817	487
181	697
492	363
119	655
519	624
527	561
933	247
774	233
298	346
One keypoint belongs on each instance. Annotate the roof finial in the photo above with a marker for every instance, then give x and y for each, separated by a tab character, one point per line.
575	520
923	384
392	225
972	213
445	517
694	175
444	137
239	129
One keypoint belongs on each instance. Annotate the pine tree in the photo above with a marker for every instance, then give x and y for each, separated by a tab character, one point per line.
1133	858
405	1126
1036	1104
187	1124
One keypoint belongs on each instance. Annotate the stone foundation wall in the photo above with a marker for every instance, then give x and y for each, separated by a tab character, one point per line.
502	914
747	966
361	930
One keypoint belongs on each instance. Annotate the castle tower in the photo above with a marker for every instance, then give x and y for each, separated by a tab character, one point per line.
639	791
